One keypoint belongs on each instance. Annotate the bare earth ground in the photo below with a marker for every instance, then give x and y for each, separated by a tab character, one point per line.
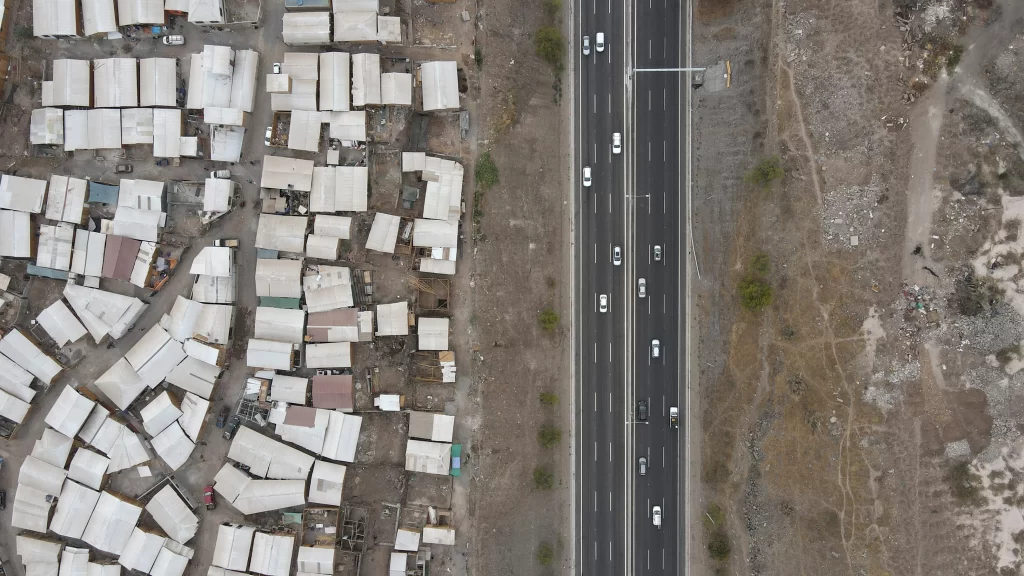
867	421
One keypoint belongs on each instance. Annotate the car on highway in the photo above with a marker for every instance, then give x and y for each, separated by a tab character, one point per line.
657	252
270	132
586	174
173	40
616	143
641	288
656	516
642	466
655	348
617	255
277	67
600	42
602	303
673	417
641	410
586	45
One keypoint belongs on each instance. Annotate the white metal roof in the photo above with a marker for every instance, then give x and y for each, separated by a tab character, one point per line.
71	81
169	563
355	26
120	444
243	80
355	6
431	426
278	83
280	324
158	82
350	126
393	319
279	278
229	483
389	29
301	97
323	247
269	458
272	554
54	17
69	412
52	448
428	457
55	245
88	468
22	194
31	509
323	189
66	200
284	233
141	550
93	423
147	347
103	312
202	351
17	243
213	261
435	233
98	17
233	545
47	126
396	88
398	563
310	438
160	413
116	80
27	355
443	199
435	266
61	324
269	354
94	129
194	410
13	408
407	539
286	174
141	194
313	560
414	161
173	446
304	131
301	65
121	384
160	365
352	185
195	376
206	11
432	333
35	550
138	224
74	562
73	509
306	28
329	225
172	515
111	524
440	85
140	12
335	81
342	437
214	289
366	74
329	288
188	318
15	380
291	389
225	116
326	483
96	569
217	194
167	132
329	355
136	126
443	535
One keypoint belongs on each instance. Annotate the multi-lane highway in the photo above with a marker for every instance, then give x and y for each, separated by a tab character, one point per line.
636	201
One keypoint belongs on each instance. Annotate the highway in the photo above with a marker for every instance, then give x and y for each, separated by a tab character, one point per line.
636	201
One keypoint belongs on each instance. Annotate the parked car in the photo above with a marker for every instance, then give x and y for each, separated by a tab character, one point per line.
277	67
208	498
270	132
163	162
586	45
173	40
220	174
123	168
222	418
3	499
226	242
232	427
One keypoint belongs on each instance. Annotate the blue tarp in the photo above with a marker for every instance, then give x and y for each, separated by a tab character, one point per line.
103	193
47	272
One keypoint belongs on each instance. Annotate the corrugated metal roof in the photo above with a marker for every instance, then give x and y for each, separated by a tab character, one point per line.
440	85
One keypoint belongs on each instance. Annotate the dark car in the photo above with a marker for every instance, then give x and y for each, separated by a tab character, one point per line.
123	168
3	499
229	433
641	410
222	418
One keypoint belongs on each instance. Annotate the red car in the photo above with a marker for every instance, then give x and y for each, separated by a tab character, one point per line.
208	498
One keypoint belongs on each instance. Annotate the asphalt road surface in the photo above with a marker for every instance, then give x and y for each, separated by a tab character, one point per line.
615	532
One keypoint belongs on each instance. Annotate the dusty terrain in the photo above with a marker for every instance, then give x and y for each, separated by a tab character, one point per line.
867	420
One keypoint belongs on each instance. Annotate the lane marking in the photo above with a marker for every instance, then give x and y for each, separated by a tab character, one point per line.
648	150
595	500
609	455
609	402
595	401
650	43
609	202
664	150
609	103
595	103
648	100
609	352
609	501
664	98
595	151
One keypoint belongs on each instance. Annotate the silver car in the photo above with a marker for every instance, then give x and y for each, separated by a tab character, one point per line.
586	45
657	252
641	288
655	348
603	303
642	466
617	255
587	180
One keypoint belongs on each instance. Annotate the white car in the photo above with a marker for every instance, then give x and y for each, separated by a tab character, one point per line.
277	67
616	143
641	288
617	256
602	303
657	252
173	40
642	465
220	174
586	45
656	516
587	181
600	42
655	348
270	132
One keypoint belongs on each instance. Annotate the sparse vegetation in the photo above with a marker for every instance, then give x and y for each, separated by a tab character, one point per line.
23	32
478	55
545	555
548	319
550	47
554	9
760	264
953	58
964	484
714	517
549	435
755	294
486	171
719	546
543	479
766	172
508	114
548	398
